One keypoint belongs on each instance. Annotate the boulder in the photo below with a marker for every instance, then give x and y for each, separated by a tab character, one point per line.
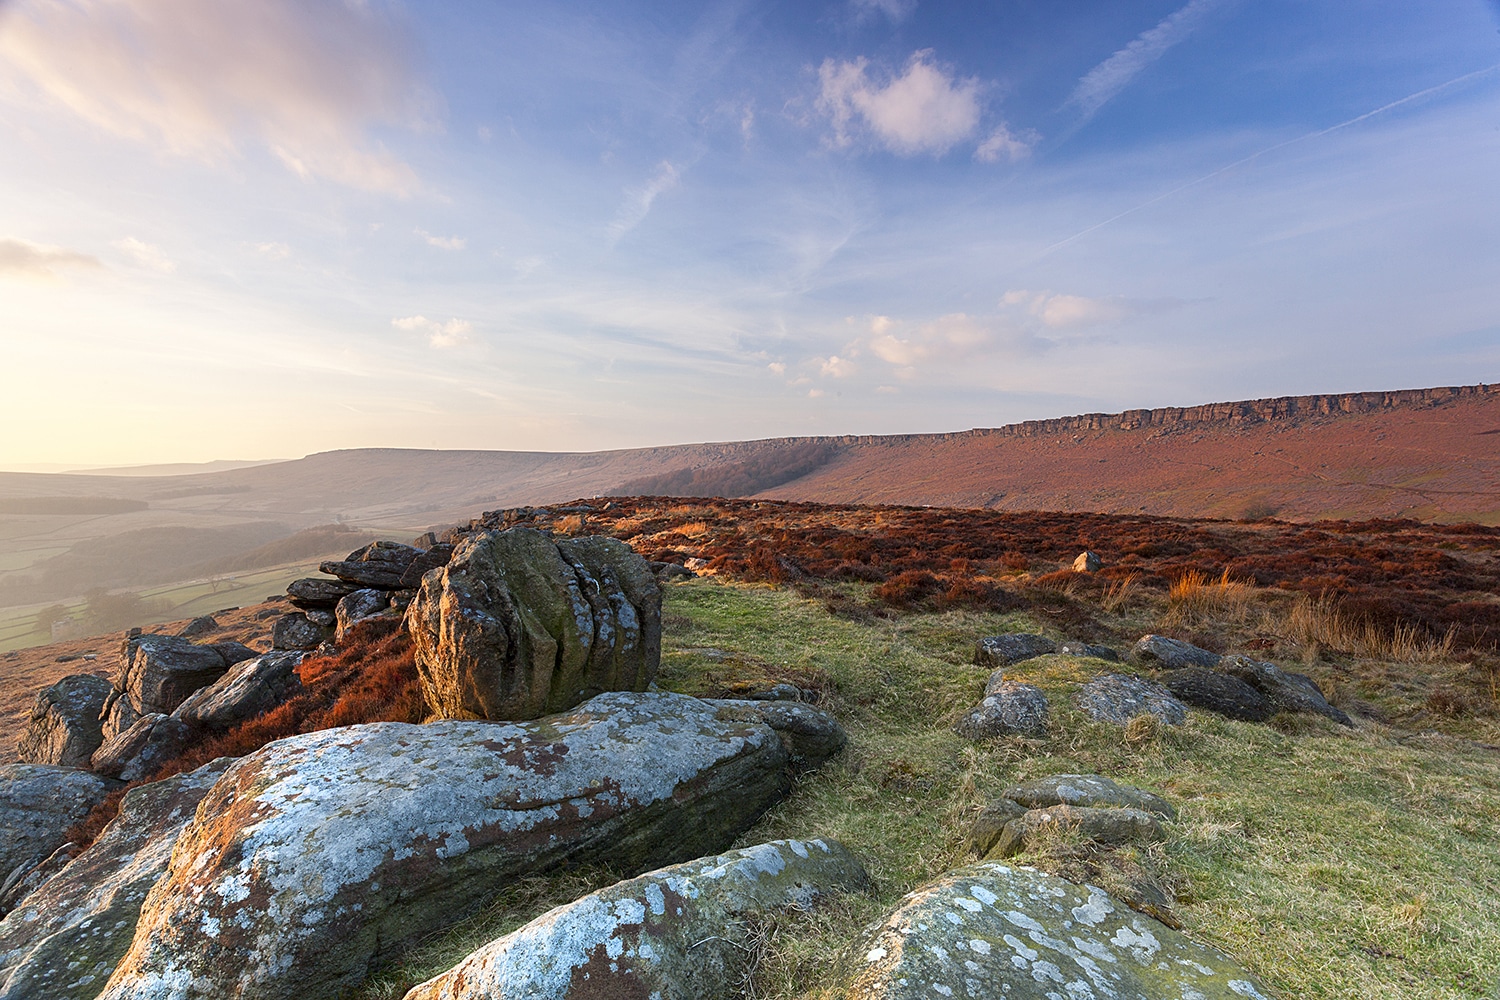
1106	825
248	689
329	853
1009	708
1088	562
1090	790
1003	650
1218	692
233	652
379	564
315	592
64	728
1089	649
991	930
38	805
111	758
158	671
777	692
519	624
358	606
295	631
991	823
679	932
1285	691
141	750
436	556
201	625
117	715
1119	698
1172	654
809	735
65	938
23	881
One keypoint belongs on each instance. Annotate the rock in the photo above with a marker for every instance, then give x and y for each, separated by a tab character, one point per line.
1009	708
1087	562
248	689
1120	697
64	727
1003	650
379	564
111	758
1218	692
314	592
22	882
233	652
117	715
65	938
330	853
320	618
991	930
1107	825
435	557
681	931
1172	654
810	736
1090	790
296	631
1286	692
141	750
357	607
1088	649
778	692
159	671
38	804
990	824
198	626
667	572
519	624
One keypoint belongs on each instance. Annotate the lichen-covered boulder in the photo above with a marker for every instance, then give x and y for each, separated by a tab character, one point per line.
379	564
1286	692
248	689
1220	693
315	593
38	803
1003	650
322	856
297	631
1102	825
158	672
991	930
1119	698
1009	708
357	607
117	715
64	728
811	736
680	933
141	750
1092	790
65	938
519	624
1173	654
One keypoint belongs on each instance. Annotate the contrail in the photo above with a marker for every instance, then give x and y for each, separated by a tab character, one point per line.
1271	149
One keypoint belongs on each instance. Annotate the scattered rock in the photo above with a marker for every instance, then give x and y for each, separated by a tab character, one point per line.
519	624
1009	708
1104	825
314	592
1092	790
297	632
329	853
436	556
379	564
1285	691
1003	650
38	804
990	930
357	607
198	626
159	671
141	750
667	572
64	727
778	692
1218	692
677	932
990	824
65	938
810	736
1119	698
1087	562
1088	649
248	689
1173	654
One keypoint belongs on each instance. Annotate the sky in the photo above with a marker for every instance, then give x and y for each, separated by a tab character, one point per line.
250	230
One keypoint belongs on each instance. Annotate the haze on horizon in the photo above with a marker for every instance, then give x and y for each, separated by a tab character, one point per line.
251	230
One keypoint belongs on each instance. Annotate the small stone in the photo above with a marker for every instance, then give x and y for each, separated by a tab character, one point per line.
1118	698
1087	649
1009	708
1110	826
1003	650
1092	790
1087	562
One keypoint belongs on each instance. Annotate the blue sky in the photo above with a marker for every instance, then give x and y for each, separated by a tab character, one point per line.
250	230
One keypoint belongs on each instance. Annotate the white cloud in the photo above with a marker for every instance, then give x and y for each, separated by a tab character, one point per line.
443	242
924	110
896	10
777	368
948	338
1099	85
449	334
146	255
1003	144
836	367
275	251
303	79
21	258
638	202
1062	312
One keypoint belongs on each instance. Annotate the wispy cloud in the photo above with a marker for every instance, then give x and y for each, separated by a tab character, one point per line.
302	78
1005	145
21	258
895	10
1099	85
639	201
443	242
440	335
945	340
925	109
145	255
273	250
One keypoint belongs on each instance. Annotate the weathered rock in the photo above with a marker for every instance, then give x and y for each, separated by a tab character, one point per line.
1286	692
233	652
201	625
117	715
1088	562
810	736
1009	708
329	853
357	607
519	624
315	592
1003	650
991	930
667	572
778	692
379	564
141	750
248	689
1089	649
680	932
1172	654
65	938
1218	692
295	631
990	824
1104	825
38	803
64	727
110	759
159	671
435	556
1120	697
1091	790
22	881
321	618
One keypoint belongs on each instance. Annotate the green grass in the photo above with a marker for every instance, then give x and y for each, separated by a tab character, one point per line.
1332	863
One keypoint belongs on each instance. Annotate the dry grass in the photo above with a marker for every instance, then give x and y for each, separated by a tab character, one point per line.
1324	622
1195	597
1119	593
